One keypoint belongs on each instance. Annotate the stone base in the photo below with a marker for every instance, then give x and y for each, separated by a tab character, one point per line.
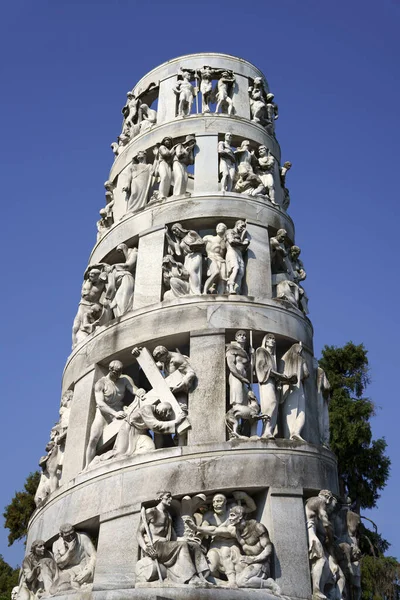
184	592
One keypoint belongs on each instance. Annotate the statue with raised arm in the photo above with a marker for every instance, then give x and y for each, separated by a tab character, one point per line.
293	364
75	556
121	281
109	393
39	573
216	251
183	157
137	185
182	563
237	243
188	246
185	93
227	163
225	86
206	87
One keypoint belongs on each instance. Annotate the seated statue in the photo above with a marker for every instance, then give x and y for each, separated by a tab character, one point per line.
39	573
75	556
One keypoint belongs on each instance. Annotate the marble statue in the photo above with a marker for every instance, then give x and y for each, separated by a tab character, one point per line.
237	243
270	383
258	102
227	163
50	465
138	116
90	308
265	171
109	394
206	87
250	183
323	399
293	364
216	251
103	224
148	118
185	93
225	86
163	167
183	563
347	549
14	593
131	110
279	254
39	573
244	157
325	571
272	113
137	186
75	556
170	362
183	157
286	196
188	245
121	281
175	278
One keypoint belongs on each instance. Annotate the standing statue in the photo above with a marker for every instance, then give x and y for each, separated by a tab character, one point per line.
90	307
170	362
182	563
138	184
183	157
130	111
347	549
109	392
75	556
286	196
265	171
293	364
39	573
258	102
224	90
121	282
216	251
185	93
279	260
227	163
49	478
270	383
323	399
206	87
237	243
298	274
175	278
244	157
163	167
189	245
272	114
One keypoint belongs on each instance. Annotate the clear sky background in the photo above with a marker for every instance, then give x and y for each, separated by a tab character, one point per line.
66	66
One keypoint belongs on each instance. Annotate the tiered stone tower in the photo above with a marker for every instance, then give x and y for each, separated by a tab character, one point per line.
195	254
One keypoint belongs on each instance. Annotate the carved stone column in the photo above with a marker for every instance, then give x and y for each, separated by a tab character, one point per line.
258	271
166	110
148	280
206	163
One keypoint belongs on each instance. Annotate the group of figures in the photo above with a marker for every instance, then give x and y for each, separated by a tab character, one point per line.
107	293
287	271
68	566
220	94
221	257
283	386
334	552
262	106
248	172
217	545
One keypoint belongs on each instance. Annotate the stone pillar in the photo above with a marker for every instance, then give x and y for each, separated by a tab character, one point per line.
148	280
206	163
286	522
258	270
166	110
80	421
207	404
241	100
117	549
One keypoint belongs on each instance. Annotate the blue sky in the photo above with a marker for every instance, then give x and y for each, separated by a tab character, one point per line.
65	71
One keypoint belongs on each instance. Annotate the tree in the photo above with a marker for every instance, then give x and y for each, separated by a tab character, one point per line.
8	579
362	463
20	509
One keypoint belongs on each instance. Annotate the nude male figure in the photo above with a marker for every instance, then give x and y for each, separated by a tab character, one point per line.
216	250
109	392
92	290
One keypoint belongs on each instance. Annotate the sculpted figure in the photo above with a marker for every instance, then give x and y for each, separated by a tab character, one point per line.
121	142
298	274
324	568
75	556
227	163
121	281
323	390
294	402
286	196
265	171
238	361
258	102
244	157
224	550
185	93
90	308
104	223
278	252
189	246
183	156
109	393
14	592
216	251
270	383
250	183
182	562
38	573
163	167
50	463
347	550
224	88
237	243
137	186
169	362
148	118
272	113
206	77
131	111
175	278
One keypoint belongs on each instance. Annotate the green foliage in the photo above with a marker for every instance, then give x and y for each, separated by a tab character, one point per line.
20	509
380	578
362	462
8	579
